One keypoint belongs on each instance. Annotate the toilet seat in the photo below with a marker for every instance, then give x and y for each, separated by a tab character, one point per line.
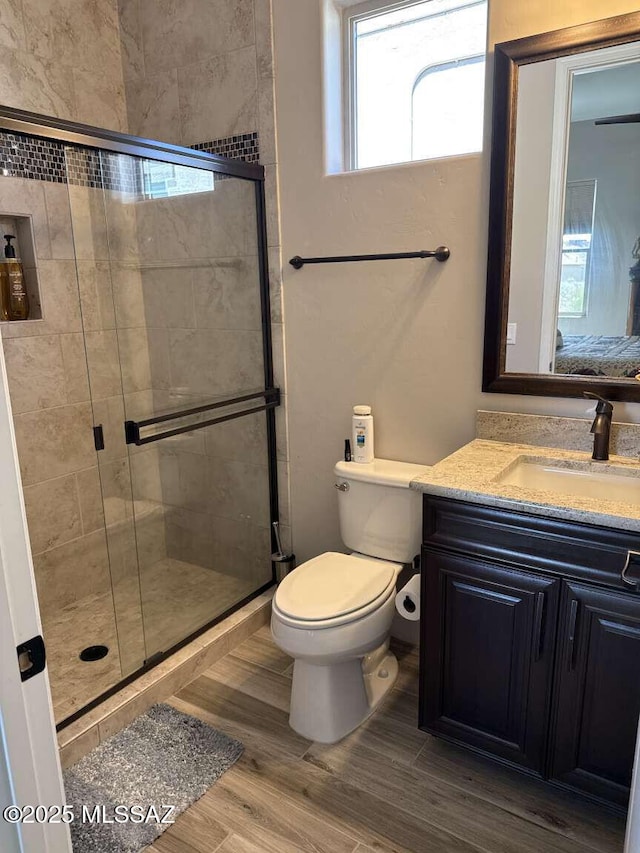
334	589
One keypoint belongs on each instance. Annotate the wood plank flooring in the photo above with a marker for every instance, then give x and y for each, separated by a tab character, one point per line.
387	788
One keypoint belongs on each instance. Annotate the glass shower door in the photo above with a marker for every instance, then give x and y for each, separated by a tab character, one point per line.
184	264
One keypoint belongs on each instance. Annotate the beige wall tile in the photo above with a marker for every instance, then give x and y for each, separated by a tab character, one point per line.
36	373
75	32
153	108
90	499
168	298
53	513
159	358
59	220
190	537
115	479
244	439
96	295
89	223
243	549
12	25
275	284
145	475
127	296
38	84
74	359
150	537
266	121
121	224
176	34
283	493
134	360
72	571
278	357
227	294
219	224
104	364
238	490
100	100
264	38
272	205
207	363
130	41
54	442
218	96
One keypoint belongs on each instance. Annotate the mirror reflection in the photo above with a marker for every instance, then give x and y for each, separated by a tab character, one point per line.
574	295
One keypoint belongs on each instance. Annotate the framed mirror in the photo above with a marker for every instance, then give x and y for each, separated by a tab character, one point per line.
563	275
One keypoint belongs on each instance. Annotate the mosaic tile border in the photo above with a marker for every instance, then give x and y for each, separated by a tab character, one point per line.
34	158
245	146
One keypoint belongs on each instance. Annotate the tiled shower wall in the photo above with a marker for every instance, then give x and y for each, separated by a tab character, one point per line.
201	73
63	58
222	101
49	387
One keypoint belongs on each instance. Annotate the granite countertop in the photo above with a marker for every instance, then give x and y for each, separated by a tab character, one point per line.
473	474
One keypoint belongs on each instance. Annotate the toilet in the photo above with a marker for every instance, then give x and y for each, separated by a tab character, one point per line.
333	613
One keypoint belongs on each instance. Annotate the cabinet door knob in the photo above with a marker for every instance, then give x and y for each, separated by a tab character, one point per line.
635	585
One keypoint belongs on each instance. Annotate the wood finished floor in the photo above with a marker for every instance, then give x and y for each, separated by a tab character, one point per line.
387	787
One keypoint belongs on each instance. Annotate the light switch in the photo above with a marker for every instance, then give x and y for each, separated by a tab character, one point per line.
512	329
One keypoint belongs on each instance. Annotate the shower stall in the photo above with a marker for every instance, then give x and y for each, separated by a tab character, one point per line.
142	392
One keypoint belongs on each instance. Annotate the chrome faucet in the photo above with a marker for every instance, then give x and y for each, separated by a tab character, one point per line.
601	427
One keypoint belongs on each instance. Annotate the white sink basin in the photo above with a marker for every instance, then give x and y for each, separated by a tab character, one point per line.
568	477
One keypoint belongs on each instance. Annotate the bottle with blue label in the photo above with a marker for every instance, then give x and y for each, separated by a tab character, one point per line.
362	439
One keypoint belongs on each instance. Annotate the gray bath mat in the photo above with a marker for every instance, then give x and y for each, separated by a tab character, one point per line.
163	759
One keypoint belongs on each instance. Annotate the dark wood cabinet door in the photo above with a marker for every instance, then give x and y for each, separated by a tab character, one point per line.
487	645
597	691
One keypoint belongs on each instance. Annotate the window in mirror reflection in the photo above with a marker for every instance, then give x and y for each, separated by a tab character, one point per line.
579	210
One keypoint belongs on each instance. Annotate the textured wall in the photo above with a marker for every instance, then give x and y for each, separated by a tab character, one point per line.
405	337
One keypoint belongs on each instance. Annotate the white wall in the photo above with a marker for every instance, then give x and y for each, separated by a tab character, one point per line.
534	134
406	337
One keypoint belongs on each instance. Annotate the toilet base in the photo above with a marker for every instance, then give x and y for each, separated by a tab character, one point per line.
329	702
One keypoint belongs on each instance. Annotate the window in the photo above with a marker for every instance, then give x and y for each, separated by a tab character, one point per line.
161	180
415	80
577	236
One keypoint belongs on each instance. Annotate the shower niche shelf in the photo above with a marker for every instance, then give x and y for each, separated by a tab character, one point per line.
21	226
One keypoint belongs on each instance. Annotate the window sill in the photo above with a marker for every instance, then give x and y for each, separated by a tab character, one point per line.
408	164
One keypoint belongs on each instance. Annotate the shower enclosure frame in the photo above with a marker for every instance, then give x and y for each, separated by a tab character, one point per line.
60	130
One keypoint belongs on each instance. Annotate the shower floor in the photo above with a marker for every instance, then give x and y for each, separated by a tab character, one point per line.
177	599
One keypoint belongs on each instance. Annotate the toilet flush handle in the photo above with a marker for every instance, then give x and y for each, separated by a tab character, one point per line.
342	487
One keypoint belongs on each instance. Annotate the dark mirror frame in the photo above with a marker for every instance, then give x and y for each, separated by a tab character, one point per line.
509	56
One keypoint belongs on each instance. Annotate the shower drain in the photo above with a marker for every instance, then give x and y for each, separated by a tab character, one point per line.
92	653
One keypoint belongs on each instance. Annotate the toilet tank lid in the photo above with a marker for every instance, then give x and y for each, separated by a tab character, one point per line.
383	472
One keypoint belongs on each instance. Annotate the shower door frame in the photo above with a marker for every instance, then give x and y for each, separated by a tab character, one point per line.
60	130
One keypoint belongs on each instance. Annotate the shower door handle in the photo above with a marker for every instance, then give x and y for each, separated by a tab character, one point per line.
271	396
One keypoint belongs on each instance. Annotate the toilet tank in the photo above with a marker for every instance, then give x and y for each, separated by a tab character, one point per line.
379	514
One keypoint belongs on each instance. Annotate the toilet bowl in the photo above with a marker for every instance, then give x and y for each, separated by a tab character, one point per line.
333	613
338	635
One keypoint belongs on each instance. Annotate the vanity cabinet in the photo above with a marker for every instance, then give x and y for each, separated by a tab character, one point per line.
530	645
597	691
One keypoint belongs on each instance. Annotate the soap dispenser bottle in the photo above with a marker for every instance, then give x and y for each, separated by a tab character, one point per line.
13	290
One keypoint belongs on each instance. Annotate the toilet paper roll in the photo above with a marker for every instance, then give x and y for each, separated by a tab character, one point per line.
408	600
